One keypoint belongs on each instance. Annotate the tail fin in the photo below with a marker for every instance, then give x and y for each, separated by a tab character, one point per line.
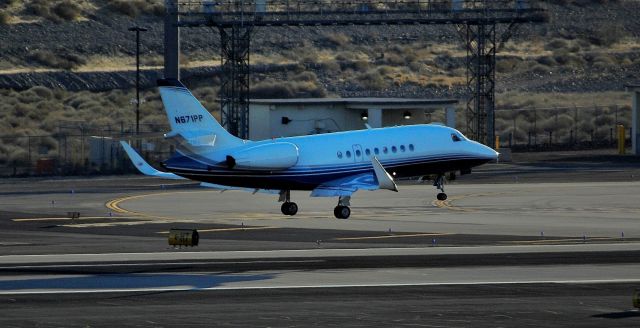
190	120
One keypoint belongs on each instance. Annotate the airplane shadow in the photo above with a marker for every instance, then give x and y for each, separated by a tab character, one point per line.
618	315
129	281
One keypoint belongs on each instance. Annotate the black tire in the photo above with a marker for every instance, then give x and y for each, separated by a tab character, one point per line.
289	208
293	208
342	212
442	196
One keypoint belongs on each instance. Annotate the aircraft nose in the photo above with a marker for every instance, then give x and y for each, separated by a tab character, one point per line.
487	152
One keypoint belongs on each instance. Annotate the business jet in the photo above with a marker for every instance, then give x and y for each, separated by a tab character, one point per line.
329	165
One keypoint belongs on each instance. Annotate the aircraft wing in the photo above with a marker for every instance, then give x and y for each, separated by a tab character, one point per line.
377	179
144	167
224	188
346	186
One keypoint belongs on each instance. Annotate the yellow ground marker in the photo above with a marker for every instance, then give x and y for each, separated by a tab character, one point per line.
394	236
67	219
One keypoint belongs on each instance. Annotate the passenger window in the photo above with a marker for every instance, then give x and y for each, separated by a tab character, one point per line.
394	149
455	137
358	152
411	148
367	151
348	154
403	148
376	151
385	150
339	154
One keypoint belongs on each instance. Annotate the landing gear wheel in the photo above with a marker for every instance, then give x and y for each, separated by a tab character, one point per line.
289	208
342	212
442	196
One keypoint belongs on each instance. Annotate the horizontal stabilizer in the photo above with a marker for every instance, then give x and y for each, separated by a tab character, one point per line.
144	167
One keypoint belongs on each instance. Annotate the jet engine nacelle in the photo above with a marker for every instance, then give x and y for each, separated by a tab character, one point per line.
268	157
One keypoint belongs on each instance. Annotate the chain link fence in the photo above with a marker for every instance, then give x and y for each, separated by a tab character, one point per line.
80	149
558	128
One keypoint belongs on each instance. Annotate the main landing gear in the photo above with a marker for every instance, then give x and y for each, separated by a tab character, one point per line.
439	184
288	207
342	211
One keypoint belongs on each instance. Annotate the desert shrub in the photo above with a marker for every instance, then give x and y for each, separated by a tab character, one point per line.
385	70
335	40
330	66
133	8
540	69
42	92
361	65
7	3
272	89
393	59
556	44
564	58
291	89
546	60
505	65
65	61
607	35
39	8
4	17
372	80
305	76
67	10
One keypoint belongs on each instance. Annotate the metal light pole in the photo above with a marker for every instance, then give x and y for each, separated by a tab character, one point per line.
138	29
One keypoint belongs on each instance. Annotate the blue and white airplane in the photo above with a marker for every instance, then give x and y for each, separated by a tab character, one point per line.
329	165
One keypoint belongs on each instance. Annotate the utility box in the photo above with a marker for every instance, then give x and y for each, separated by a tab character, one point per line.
183	237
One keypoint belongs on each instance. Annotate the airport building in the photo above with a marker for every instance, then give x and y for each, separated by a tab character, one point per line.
269	118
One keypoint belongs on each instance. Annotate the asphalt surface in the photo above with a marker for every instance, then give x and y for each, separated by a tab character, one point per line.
548	243
513	305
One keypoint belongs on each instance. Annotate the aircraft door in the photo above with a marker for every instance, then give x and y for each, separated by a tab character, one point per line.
358	156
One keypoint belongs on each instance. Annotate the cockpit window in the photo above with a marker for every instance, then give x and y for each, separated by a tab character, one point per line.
455	137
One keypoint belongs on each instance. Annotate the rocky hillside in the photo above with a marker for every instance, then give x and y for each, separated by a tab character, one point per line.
586	46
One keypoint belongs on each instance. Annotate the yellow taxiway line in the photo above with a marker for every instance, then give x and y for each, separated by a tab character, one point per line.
567	240
67	219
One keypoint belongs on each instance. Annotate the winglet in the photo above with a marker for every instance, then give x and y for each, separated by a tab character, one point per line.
385	180
143	166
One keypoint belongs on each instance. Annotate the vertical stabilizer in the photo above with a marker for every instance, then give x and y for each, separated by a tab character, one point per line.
190	120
